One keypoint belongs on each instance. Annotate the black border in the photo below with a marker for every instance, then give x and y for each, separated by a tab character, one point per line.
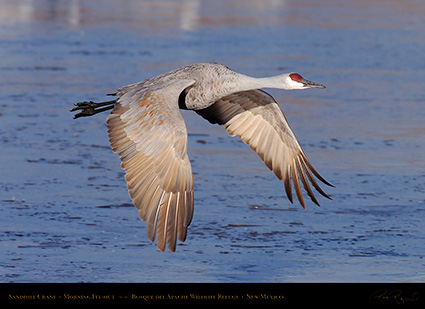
145	294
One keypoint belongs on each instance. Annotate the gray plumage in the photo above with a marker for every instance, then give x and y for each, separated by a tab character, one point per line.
148	132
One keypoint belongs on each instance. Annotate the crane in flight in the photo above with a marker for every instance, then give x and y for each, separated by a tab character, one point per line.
148	132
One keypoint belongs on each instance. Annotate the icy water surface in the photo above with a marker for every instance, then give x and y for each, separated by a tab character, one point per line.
65	214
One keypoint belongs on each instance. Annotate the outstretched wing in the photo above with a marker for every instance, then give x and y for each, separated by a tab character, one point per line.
148	132
257	119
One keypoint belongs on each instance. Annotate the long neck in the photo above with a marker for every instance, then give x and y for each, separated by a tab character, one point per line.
244	82
203	95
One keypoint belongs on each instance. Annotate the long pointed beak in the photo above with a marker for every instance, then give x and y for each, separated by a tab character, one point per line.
309	84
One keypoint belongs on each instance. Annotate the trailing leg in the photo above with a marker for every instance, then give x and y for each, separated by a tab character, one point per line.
91	108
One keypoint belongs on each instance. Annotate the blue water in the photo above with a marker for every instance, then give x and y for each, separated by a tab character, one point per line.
65	214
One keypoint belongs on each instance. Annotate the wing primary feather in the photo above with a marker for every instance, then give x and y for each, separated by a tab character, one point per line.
287	182
312	180
316	173
181	213
148	199
296	183
173	223
161	234
305	182
163	222
188	209
151	224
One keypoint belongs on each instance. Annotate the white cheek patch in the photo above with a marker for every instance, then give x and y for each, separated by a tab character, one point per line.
294	85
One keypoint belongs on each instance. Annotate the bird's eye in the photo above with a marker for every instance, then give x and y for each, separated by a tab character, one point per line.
296	77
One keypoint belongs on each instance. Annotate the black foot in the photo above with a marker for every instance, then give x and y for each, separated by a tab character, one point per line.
89	108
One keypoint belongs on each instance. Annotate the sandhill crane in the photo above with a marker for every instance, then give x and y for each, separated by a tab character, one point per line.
148	132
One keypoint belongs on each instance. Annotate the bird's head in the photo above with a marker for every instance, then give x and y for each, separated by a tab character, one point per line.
296	81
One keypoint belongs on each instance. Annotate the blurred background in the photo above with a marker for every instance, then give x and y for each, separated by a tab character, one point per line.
65	215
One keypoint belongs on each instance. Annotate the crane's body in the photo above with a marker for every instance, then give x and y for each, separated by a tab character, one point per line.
148	132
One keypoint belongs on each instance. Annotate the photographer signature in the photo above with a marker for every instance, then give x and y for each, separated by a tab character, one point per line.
385	296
